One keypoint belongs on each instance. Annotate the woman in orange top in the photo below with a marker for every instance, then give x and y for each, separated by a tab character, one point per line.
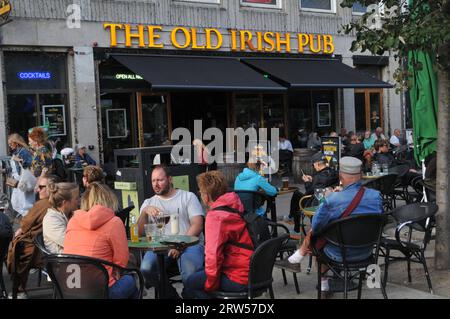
95	231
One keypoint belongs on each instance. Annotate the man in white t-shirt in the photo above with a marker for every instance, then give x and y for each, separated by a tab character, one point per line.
169	201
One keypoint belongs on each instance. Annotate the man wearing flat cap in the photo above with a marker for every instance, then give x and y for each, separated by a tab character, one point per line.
335	203
324	177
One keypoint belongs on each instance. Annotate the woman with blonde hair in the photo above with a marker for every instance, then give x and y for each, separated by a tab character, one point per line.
42	156
64	199
21	158
95	231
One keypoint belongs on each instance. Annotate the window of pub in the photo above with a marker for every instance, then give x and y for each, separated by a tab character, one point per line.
300	118
36	88
318	5
262	3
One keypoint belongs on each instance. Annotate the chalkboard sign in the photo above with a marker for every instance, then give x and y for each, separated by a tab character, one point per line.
54	119
331	150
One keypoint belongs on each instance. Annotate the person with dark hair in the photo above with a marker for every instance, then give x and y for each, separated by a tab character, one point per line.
23	254
92	174
355	148
226	264
382	155
171	201
324	177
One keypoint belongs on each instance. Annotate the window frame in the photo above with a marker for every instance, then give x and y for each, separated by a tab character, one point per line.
278	5
200	1
332	3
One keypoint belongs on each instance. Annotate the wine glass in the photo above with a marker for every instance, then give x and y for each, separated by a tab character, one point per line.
318	193
160	223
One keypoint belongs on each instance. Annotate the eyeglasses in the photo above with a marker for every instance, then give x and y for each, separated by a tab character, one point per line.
41	187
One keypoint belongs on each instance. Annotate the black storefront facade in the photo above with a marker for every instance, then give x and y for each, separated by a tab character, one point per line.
144	97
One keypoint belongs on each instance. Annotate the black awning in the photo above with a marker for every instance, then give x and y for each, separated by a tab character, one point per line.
197	73
314	73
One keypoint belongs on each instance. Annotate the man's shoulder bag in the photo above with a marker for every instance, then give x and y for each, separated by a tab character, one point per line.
321	242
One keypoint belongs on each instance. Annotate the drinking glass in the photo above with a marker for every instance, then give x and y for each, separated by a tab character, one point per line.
385	169
150	232
174	224
318	193
161	221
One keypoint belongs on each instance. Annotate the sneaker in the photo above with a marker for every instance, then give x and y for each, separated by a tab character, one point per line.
20	295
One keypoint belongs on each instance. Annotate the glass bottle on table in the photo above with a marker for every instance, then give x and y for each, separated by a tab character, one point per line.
134	230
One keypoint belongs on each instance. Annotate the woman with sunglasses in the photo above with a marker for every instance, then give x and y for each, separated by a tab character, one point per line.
30	227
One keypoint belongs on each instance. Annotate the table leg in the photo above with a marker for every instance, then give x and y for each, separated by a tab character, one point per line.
162	293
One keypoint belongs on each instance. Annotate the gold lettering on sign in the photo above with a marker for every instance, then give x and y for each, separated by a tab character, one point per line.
303	39
268	39
311	43
186	35
328	46
152	37
212	39
195	45
286	43
219	38
112	32
246	40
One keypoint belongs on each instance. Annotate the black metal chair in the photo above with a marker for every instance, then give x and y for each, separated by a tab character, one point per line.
260	275
81	277
352	232
253	200
386	186
5	238
412	221
124	215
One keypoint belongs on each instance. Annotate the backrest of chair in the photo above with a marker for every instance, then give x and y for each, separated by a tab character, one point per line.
262	261
355	231
251	200
418	213
385	184
78	277
124	216
39	243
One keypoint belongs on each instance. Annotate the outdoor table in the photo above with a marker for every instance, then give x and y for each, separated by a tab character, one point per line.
288	190
161	251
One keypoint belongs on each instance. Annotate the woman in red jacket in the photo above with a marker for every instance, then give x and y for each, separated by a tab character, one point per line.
226	264
95	231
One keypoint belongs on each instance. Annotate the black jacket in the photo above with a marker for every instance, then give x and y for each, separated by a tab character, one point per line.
355	150
325	178
385	158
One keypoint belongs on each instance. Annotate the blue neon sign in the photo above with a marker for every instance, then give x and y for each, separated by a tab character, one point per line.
34	75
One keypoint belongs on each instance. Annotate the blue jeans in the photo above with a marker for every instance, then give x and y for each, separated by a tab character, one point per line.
195	286
124	288
191	260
